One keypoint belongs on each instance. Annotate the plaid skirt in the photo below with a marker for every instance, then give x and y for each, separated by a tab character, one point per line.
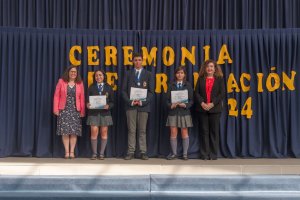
99	120
184	121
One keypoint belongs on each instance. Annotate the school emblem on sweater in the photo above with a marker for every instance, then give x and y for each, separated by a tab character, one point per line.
144	84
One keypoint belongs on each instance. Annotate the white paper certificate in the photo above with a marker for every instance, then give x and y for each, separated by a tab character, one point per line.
97	102
138	94
179	96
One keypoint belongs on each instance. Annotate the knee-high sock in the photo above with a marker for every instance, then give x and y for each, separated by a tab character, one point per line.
173	142
185	144
94	146
103	146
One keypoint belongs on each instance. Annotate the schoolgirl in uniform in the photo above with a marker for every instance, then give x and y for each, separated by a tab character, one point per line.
99	119
179	115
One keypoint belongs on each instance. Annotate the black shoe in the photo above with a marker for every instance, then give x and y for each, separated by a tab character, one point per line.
185	157
144	156
94	157
171	157
101	157
204	158
128	156
212	157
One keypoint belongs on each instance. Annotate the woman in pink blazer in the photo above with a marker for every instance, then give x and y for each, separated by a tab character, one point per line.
69	106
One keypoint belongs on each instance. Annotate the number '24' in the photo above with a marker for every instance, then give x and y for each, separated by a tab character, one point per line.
246	110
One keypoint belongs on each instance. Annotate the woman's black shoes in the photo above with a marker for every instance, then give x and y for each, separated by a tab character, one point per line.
208	158
204	157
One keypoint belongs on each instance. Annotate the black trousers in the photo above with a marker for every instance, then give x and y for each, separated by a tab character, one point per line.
209	134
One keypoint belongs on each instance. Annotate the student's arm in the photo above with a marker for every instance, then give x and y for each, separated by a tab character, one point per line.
150	91
191	96
124	90
110	97
168	102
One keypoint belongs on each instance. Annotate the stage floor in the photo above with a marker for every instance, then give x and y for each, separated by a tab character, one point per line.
113	166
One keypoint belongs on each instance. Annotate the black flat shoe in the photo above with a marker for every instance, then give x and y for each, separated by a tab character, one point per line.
101	157
129	156
94	157
204	158
213	157
185	157
171	157
144	156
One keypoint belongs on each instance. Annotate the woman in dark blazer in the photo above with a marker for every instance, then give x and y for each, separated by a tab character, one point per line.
99	118
209	95
179	115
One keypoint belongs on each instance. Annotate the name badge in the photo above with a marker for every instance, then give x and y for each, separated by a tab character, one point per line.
145	84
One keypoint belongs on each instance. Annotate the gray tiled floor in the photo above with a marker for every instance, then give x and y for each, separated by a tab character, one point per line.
113	166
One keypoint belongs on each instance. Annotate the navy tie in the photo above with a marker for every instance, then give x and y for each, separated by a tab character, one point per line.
100	88
179	85
137	75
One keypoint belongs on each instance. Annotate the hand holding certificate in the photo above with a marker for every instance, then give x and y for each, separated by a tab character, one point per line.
97	102
138	94
179	96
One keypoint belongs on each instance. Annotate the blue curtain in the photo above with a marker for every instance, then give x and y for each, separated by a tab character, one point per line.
32	60
151	14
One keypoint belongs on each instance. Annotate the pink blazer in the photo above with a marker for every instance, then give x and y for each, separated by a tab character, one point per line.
60	97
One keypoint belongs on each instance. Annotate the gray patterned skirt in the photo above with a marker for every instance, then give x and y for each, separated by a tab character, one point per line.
99	120
180	121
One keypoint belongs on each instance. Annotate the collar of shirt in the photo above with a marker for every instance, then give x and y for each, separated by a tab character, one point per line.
139	71
100	84
179	85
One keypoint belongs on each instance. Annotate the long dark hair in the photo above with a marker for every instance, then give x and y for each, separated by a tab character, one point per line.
179	69
104	74
65	75
218	70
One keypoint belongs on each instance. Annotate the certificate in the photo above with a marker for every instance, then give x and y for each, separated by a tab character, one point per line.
179	96
138	94
97	102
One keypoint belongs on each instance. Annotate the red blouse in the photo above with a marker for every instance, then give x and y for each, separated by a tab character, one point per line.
208	87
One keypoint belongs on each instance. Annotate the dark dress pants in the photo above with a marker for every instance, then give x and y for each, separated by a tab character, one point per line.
209	134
